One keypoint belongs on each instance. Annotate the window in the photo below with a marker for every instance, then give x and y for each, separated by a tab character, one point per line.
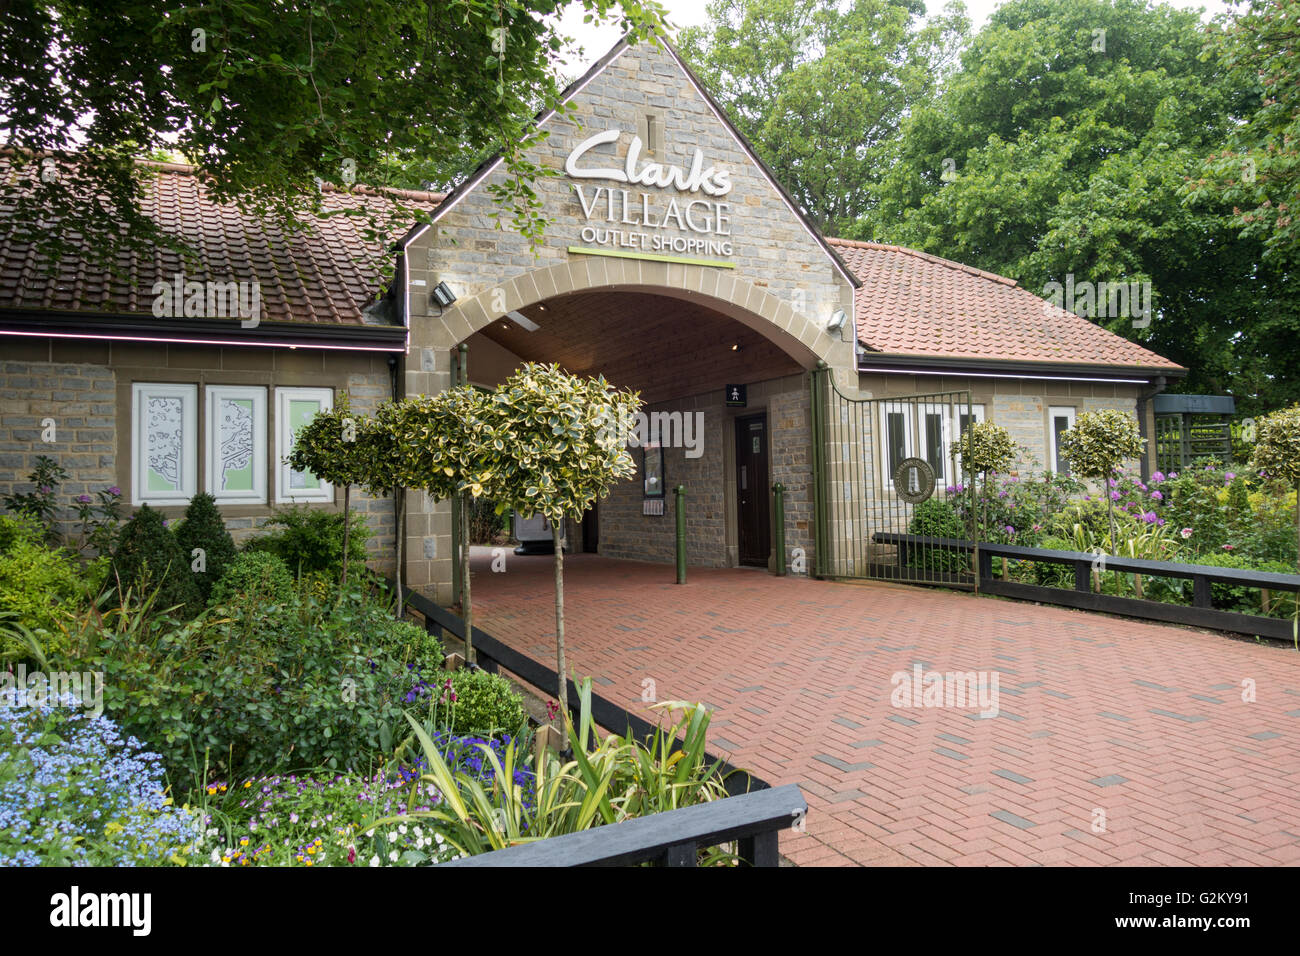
164	443
895	438
1059	419
295	407
961	420
936	437
236	443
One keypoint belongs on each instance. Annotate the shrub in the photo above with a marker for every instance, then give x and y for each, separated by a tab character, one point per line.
203	528
18	527
408	641
1226	596
310	540
148	559
1050	574
40	586
484	703
937	518
38	504
256	576
75	791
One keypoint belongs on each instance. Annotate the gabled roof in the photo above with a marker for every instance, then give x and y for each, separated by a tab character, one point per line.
912	304
472	181
325	275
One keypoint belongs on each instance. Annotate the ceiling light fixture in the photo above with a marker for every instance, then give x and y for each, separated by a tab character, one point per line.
523	321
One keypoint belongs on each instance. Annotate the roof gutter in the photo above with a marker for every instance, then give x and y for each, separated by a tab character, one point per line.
881	364
201	331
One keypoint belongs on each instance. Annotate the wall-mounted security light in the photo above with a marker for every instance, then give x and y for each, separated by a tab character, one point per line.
443	295
836	321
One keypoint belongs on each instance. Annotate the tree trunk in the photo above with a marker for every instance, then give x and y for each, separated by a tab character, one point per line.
347	529
467	608
399	510
559	625
1297	526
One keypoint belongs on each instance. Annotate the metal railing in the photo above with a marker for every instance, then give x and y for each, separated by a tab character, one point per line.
1200	613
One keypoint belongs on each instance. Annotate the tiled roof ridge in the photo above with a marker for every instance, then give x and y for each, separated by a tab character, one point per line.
924	256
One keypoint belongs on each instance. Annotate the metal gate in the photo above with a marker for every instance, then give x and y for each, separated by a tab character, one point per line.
880	463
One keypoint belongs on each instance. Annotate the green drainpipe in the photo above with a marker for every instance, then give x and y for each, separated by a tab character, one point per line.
778	507
680	506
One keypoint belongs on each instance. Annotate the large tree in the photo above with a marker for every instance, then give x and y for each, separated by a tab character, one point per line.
817	86
1062	148
268	99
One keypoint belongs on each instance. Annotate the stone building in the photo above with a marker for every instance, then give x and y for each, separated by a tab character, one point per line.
674	264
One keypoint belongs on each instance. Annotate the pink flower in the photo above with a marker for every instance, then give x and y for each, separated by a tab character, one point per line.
1186	533
1157	477
1115	495
1157	496
1228	547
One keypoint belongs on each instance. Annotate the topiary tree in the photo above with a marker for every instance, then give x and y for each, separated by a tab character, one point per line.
552	443
985	448
329	448
382	463
435	441
1277	454
1097	445
204	531
149	557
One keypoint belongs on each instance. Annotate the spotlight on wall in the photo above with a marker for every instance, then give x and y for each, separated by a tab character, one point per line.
443	295
836	321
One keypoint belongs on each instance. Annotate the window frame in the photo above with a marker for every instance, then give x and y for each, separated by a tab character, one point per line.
214	394
888	408
1070	414
141	392
284	494
978	415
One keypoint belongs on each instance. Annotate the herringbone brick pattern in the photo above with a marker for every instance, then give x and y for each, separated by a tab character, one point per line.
1115	742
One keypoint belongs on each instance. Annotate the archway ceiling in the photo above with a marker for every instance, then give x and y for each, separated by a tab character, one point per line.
663	347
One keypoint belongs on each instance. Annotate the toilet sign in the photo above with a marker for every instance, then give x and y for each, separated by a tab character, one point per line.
914	480
736	396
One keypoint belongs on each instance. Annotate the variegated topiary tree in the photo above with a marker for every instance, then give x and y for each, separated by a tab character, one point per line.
1277	453
985	448
552	444
437	446
332	447
1098	444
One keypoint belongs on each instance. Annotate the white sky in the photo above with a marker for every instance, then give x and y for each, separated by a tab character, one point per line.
597	40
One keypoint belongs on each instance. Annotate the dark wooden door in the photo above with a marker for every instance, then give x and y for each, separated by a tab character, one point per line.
752	505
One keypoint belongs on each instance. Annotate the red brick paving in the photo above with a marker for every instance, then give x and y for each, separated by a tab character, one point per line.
798	670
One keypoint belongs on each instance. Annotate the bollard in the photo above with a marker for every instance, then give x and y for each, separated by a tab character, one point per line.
680	506
778	520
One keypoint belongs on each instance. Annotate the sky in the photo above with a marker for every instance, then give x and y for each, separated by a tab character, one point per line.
597	40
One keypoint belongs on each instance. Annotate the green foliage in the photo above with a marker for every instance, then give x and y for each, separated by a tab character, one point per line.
1277	446
486	524
619	779
551	443
255	688
936	518
820	88
309	94
311	540
331	446
40	587
204	528
409	641
1258	171
484	704
1226	596
257	577
149	559
985	447
1100	442
39	503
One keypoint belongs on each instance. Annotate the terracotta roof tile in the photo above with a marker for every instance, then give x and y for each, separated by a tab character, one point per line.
325	274
916	304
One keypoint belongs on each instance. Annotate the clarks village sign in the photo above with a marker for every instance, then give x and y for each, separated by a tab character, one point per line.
635	223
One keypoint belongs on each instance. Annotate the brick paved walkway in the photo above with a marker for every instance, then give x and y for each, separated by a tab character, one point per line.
1141	723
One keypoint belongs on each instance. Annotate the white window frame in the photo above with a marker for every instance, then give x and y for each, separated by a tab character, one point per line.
923	413
141	392
909	437
1054	412
212	470
977	414
284	494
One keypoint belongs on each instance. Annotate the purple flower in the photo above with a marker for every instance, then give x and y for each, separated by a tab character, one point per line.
1228	477
115	491
1010	530
83	499
1160	522
1115	496
1157	477
1149	517
1157	496
1113	482
44	489
1173	475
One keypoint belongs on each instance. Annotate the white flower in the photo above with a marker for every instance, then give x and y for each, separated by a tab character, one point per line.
393	855
402	829
374	860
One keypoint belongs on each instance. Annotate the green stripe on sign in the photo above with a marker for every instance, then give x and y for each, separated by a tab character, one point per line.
716	263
